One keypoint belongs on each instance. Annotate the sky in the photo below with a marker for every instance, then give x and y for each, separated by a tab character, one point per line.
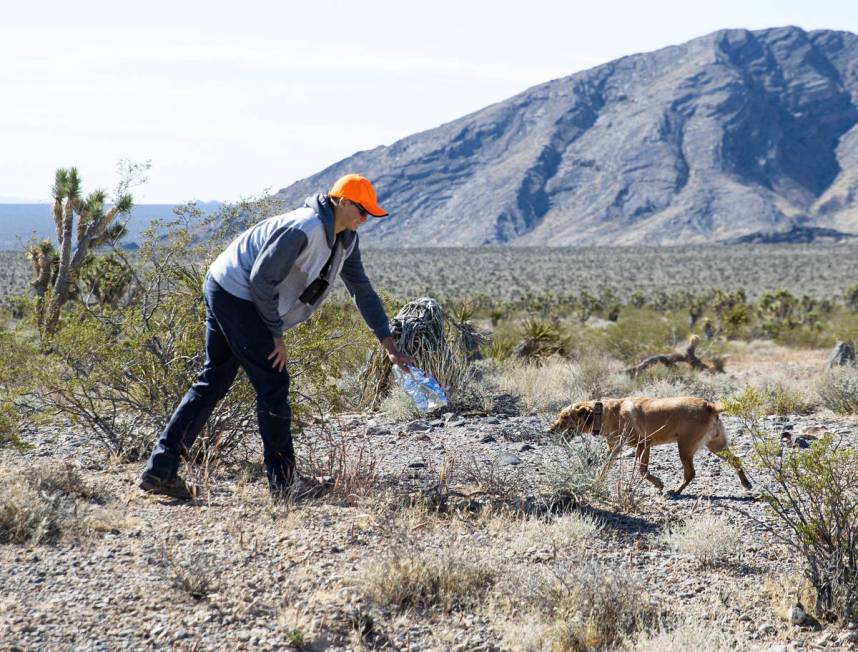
229	100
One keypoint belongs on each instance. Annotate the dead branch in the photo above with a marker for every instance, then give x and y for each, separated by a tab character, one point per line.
689	356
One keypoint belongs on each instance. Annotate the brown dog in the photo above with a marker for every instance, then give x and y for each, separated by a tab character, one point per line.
642	423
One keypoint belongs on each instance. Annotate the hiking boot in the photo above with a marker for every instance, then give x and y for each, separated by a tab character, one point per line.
174	487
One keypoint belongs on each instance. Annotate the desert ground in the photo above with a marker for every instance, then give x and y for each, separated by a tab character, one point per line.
471	527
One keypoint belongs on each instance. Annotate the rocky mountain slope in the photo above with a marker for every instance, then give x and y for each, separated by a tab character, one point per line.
733	136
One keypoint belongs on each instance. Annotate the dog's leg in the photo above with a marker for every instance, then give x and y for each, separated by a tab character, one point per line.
730	457
642	454
686	456
720	447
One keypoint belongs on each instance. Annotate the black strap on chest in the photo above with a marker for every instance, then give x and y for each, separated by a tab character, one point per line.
313	292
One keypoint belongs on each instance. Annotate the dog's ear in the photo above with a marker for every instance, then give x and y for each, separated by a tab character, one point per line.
561	423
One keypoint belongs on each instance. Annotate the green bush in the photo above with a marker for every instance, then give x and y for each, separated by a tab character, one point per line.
413	579
588	606
850	297
20	355
813	495
637	334
119	372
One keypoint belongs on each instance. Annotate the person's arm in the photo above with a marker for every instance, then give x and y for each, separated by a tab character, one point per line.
271	266
369	305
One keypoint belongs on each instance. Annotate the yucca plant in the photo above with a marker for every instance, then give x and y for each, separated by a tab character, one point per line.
82	225
542	338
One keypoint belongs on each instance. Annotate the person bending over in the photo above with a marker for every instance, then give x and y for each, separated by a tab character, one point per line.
270	278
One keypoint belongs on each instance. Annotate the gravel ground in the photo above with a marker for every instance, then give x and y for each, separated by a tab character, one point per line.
281	573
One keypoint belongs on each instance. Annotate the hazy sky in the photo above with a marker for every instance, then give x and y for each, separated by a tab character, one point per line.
228	99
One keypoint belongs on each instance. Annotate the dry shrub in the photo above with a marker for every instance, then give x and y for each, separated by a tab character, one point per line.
784	591
44	502
785	395
535	635
626	495
556	383
576	470
708	539
661	382
478	387
838	390
408	578
588	607
347	465
192	574
28	516
565	530
692	635
431	339
398	405
488	477
63	479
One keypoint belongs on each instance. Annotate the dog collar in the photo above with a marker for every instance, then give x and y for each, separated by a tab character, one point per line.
597	417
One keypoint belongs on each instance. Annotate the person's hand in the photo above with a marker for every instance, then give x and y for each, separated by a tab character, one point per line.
394	354
399	359
279	358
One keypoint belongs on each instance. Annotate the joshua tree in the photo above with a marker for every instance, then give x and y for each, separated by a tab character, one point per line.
57	273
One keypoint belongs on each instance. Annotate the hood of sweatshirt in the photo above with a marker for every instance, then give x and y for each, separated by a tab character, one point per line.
321	204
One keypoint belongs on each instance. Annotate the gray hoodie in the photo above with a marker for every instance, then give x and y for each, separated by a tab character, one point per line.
274	261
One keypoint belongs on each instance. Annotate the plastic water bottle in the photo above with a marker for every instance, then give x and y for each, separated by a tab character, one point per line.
424	390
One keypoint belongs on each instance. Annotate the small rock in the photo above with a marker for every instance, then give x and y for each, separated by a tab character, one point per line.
417	464
436	423
491	420
796	614
765	629
843	355
508	459
525	448
243	635
488	439
418	425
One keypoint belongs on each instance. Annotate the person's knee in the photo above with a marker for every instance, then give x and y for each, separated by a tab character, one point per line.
213	384
274	400
275	406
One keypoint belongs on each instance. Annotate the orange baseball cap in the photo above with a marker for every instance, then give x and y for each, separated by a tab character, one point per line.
358	189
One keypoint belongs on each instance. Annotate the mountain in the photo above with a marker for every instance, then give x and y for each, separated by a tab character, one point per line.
734	136
20	223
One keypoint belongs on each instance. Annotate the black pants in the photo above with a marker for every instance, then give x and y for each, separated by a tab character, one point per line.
235	335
